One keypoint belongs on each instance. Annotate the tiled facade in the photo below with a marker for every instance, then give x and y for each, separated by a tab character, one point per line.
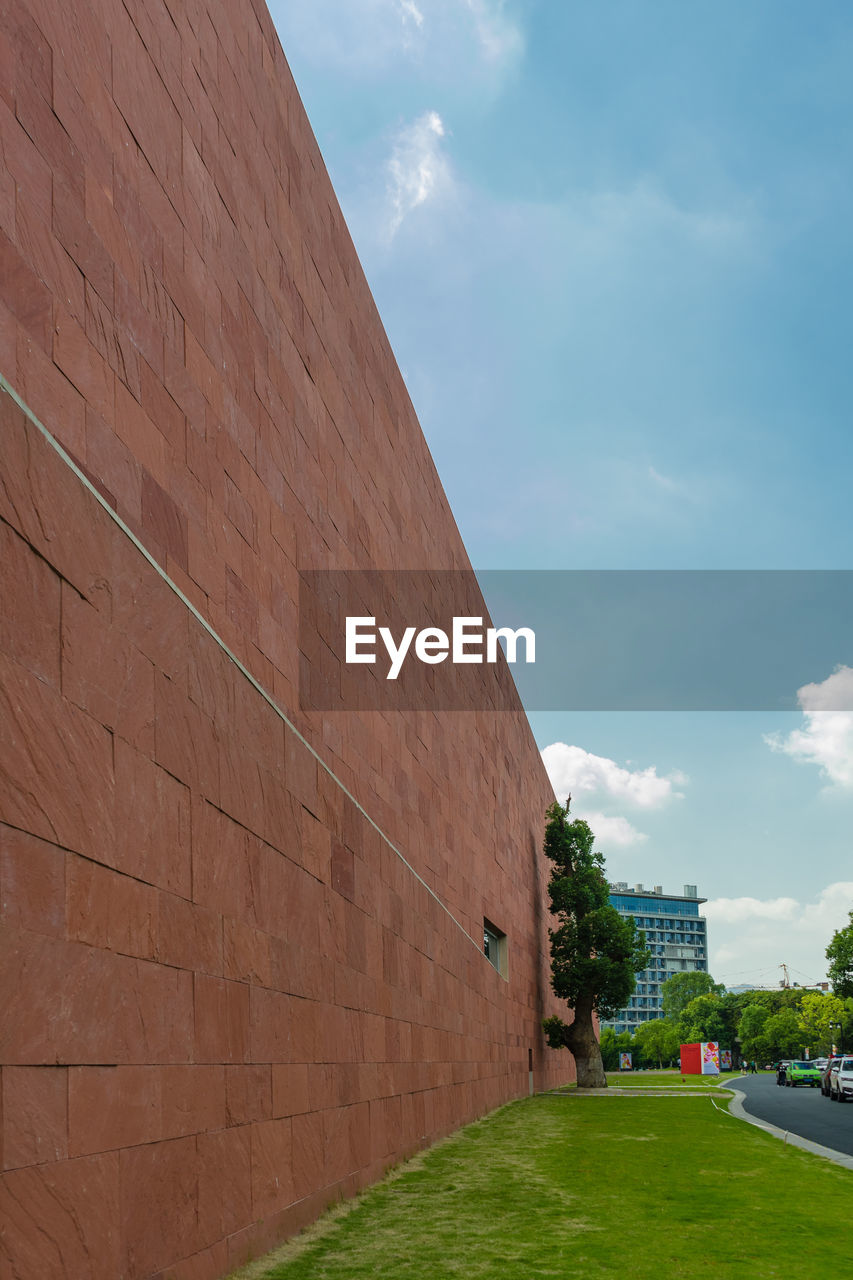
241	952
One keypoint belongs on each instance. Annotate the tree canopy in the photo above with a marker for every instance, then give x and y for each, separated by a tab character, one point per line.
595	952
703	1019
784	1034
681	988
820	1015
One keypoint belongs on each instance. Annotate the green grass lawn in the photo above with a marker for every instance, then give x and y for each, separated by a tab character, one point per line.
665	1079
569	1186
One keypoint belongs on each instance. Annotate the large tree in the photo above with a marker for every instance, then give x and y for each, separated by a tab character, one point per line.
839	953
595	953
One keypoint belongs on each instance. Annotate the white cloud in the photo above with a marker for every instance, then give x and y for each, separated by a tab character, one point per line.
358	38
410	11
613	831
499	37
826	739
579	773
751	938
417	170
574	771
456	40
740	910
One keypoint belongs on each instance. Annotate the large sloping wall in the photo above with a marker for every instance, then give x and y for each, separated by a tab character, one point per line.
240	960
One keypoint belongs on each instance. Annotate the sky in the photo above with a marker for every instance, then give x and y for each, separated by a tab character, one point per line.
611	246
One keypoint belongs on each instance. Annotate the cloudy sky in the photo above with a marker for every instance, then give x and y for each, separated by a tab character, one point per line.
612	248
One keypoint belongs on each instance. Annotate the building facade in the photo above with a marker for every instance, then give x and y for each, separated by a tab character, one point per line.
251	954
677	936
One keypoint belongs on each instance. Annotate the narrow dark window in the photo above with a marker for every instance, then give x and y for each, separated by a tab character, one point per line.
494	947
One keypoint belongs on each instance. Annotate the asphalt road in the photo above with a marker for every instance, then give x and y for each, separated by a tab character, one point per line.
801	1110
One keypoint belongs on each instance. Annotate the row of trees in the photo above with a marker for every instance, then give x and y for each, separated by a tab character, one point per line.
764	1025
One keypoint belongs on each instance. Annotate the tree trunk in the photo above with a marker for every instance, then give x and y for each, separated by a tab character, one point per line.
584	1047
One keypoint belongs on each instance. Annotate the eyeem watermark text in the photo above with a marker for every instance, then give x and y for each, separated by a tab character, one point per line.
467	642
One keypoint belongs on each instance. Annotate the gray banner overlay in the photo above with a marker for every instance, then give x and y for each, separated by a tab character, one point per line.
610	640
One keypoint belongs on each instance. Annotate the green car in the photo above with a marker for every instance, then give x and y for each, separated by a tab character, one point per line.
802	1073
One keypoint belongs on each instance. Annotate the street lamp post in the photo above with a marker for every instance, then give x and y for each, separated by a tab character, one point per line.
832	1026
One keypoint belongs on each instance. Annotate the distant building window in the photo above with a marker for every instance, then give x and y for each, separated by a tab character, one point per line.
494	946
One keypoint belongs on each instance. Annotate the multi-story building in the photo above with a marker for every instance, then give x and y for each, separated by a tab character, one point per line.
677	937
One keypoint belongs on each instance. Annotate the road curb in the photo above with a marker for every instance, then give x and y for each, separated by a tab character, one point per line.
736	1108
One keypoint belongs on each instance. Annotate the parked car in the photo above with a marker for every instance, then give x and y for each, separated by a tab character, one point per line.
841	1080
802	1072
827	1072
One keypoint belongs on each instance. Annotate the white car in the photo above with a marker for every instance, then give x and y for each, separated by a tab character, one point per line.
841	1080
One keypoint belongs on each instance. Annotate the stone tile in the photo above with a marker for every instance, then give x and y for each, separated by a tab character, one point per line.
35	1111
32	883
63	1219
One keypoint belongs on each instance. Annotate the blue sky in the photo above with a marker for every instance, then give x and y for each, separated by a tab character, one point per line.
612	249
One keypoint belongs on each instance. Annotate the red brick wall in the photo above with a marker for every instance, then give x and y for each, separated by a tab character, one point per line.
227	998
